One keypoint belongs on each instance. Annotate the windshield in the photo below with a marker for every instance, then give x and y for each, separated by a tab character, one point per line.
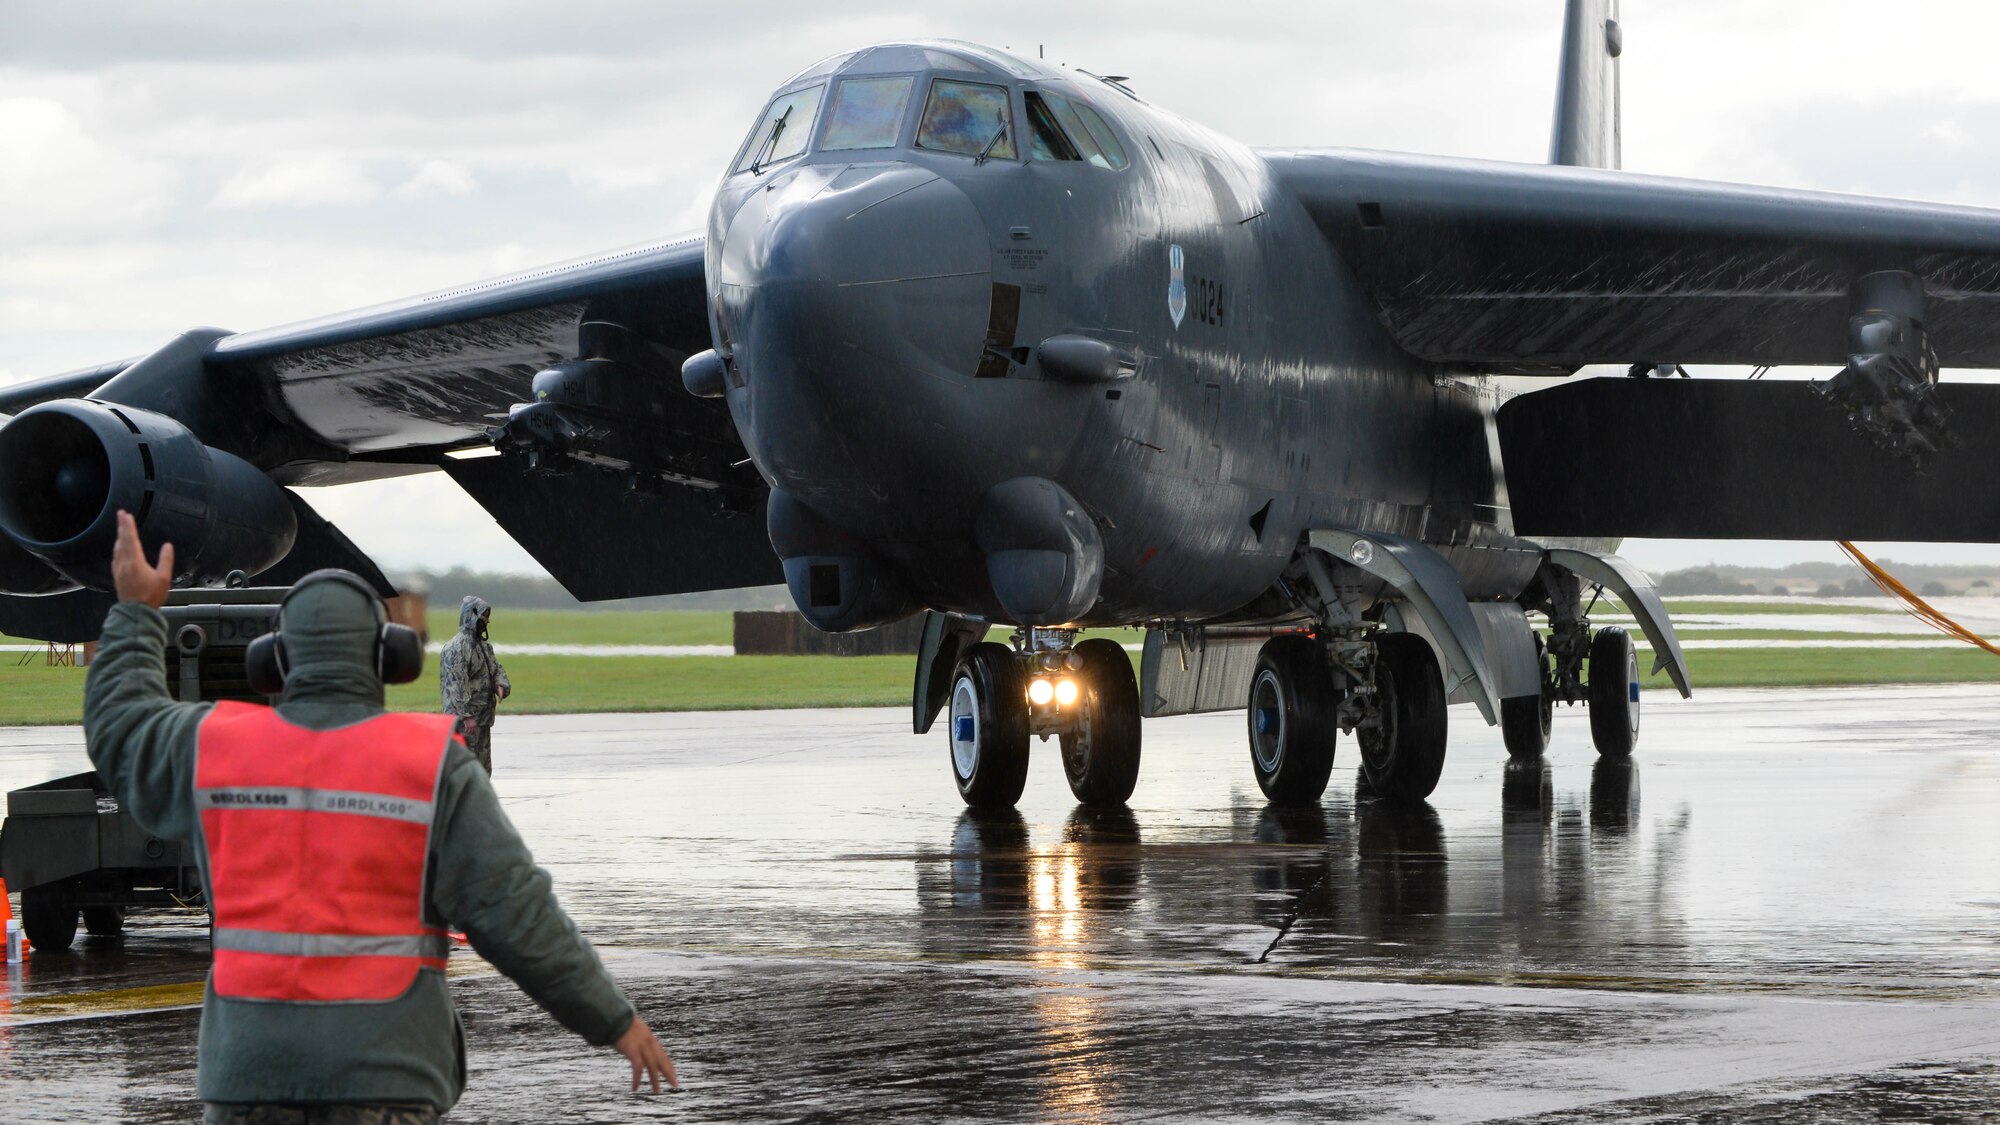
1045	137
867	113
971	118
781	133
1087	131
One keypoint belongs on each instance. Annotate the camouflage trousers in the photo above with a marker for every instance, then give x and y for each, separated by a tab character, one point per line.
478	739
220	1113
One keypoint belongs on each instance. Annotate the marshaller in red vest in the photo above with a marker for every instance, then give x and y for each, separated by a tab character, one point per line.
337	843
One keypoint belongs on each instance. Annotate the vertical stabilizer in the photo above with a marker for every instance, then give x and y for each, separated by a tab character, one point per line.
1587	129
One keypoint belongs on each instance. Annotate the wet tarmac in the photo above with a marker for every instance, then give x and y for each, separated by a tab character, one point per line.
1786	910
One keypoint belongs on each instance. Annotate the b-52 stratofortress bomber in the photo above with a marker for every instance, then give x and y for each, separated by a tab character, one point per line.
999	342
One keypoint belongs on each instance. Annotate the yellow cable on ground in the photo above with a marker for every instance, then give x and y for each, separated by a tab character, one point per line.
1919	608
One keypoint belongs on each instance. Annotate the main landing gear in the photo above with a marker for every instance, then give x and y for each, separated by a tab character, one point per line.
1599	669
1385	688
1048	685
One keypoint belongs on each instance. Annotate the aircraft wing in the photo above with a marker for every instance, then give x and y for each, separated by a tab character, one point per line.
399	387
1535	267
1540	269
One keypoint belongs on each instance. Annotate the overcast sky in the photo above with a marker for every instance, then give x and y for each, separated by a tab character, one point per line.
242	163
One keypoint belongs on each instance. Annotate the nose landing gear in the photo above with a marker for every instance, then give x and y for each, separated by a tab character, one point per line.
989	728
1084	694
1100	751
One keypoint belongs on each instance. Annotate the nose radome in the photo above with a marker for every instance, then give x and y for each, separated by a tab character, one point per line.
846	297
889	261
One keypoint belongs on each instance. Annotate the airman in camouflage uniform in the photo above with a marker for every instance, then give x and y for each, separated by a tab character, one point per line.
471	681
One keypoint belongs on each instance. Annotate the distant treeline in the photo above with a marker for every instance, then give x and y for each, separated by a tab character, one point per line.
521	591
1827	580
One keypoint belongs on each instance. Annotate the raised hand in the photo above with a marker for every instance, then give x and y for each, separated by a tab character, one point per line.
134	578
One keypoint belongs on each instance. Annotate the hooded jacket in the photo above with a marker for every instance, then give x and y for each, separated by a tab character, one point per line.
469	675
482	878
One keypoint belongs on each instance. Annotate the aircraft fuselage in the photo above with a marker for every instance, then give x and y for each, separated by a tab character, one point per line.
883	310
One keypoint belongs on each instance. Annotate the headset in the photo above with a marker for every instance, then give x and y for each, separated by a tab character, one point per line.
399	651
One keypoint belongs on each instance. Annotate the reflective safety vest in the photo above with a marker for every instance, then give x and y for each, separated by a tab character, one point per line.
317	846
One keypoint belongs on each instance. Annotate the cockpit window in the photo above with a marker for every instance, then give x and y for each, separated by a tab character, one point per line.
1045	138
1087	130
945	60
969	118
867	113
781	133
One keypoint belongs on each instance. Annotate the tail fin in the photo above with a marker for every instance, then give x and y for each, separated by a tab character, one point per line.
1587	132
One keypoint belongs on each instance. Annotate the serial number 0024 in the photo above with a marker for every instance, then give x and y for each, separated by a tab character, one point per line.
1205	300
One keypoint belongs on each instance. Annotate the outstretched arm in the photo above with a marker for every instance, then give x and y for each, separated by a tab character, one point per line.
488	885
140	739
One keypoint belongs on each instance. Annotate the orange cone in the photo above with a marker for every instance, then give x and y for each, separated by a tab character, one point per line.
6	905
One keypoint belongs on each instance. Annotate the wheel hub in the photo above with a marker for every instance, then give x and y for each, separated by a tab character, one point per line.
1268	722
964	727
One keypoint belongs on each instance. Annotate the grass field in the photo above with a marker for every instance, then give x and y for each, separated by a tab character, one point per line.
1836	667
33	693
582	627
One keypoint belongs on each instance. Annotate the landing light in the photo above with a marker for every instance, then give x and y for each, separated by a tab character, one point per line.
1040	692
1065	692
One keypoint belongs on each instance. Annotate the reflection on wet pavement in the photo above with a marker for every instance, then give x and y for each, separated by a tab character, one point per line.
1795	922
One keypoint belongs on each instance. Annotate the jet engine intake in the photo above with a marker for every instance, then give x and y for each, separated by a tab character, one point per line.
67	468
835	580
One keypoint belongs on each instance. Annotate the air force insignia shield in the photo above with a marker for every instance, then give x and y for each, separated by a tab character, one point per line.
1176	285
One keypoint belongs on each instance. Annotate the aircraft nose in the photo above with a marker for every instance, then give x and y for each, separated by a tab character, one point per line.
836	290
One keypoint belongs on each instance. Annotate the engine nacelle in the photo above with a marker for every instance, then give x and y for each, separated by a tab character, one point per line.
68	467
23	573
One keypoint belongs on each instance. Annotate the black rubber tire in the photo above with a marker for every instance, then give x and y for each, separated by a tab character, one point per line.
1526	721
1404	757
48	917
991	768
103	921
1101	757
1613	691
1293	721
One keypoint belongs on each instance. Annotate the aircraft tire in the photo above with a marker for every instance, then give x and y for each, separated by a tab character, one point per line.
48	917
1292	721
1526	721
988	729
1101	757
1614	693
1404	757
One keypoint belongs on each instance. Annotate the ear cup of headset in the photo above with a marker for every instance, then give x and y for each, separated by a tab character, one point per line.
264	662
399	654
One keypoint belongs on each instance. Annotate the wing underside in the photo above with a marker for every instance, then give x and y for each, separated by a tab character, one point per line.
1529	267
